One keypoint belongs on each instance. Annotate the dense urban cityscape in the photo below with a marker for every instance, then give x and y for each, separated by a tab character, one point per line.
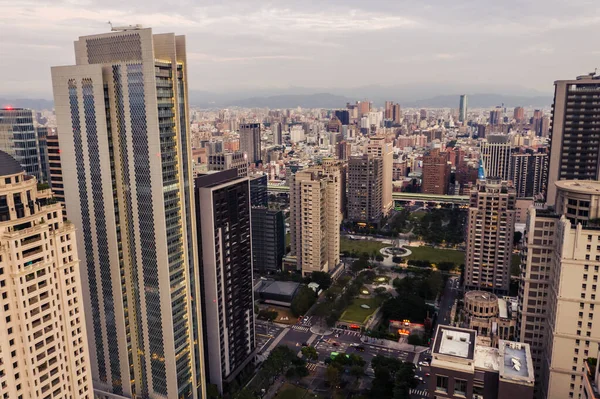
154	248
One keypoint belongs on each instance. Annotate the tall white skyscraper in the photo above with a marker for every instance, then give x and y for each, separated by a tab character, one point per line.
43	339
123	128
462	111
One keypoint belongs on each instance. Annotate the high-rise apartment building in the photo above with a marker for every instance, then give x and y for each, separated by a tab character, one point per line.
379	147
572	272
229	160
496	117
528	171
55	169
388	111
490	231
496	155
225	262
250	141
43	339
462	110
436	172
123	123
364	107
397	114
268	239
18	138
42	134
575	149
315	218
365	189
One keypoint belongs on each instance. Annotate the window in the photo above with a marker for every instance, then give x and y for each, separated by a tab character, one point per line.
460	387
442	383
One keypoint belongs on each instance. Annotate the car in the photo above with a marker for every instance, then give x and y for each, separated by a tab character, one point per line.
335	344
419	378
360	348
424	364
427	374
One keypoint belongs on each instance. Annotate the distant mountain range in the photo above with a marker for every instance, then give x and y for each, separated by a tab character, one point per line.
413	96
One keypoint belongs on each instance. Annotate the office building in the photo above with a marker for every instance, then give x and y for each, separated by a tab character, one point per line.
379	147
462	368
343	116
575	148
519	114
334	125
496	117
491	220
18	138
365	189
462	110
259	195
528	171
268	239
436	172
55	169
43	339
123	125
229	160
364	107
496	155
315	218
572	306
277	133
225	262
250	141
397	115
493	318
42	133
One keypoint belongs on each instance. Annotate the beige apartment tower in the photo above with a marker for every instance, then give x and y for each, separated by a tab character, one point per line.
43	339
379	147
123	125
315	218
491	221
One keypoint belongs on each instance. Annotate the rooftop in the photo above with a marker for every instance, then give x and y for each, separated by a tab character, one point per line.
487	358
481	296
453	341
579	186
515	361
9	165
287	288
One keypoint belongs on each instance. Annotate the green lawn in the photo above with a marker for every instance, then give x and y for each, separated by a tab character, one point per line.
289	391
360	246
354	313
437	255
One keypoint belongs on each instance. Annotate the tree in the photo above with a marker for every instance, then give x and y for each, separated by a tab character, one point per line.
310	353
321	278
332	376
303	301
244	393
212	392
359	265
414	339
357	371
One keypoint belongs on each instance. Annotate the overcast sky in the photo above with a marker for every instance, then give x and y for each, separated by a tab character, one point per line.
250	44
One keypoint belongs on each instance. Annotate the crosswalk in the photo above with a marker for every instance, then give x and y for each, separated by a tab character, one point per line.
311	367
300	328
419	392
347	332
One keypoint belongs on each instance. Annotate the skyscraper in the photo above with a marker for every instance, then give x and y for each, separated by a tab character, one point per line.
225	262
55	169
436	172
397	114
496	156
496	117
491	223
519	114
315	218
277	133
18	138
388	112
343	115
462	111
365	189
250	140
41	134
575	148
43	342
123	127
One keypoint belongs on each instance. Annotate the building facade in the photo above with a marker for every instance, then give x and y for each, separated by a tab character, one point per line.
462	109
250	141
528	172
436	172
43	340
365	189
42	134
379	147
575	148
229	160
315	218
18	138
123	121
55	168
491	220
496	156
268	240
225	262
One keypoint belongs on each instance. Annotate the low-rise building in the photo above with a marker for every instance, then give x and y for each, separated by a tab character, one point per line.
461	368
492	317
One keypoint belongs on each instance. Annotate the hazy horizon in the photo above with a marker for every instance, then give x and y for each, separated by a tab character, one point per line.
336	45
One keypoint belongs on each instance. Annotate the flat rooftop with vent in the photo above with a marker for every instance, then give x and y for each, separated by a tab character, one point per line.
462	366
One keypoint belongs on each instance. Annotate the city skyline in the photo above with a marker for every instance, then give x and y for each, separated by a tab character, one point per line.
300	45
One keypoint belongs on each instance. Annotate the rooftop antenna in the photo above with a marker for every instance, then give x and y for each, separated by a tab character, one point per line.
111	25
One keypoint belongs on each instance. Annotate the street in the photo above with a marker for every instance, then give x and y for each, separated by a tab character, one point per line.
447	301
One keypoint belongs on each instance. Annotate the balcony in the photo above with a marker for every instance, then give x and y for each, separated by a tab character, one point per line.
590	386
